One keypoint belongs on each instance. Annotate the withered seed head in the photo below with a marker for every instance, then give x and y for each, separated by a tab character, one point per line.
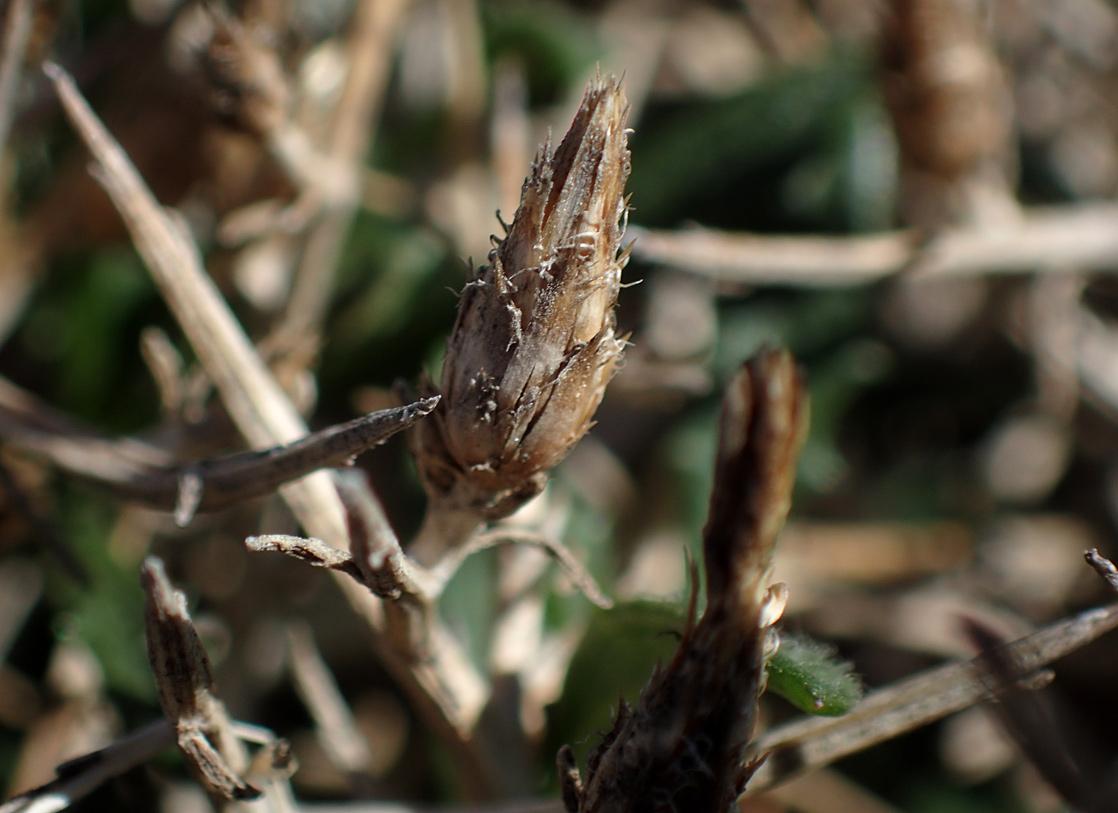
534	346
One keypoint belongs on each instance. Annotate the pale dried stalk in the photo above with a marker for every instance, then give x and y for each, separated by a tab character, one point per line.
258	406
809	743
335	726
1046	240
80	777
17	33
137	471
445	687
370	50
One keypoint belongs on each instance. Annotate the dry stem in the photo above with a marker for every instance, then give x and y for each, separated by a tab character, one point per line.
444	687
1054	240
17	33
143	473
370	51
809	743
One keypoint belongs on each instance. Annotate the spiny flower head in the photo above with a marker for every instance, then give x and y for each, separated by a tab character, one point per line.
534	344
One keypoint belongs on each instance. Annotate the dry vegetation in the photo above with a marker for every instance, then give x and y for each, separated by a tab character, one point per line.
229	229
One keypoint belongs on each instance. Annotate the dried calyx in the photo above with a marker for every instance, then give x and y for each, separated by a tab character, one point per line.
681	747
534	345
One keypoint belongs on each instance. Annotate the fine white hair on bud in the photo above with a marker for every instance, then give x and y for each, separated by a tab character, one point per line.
534	344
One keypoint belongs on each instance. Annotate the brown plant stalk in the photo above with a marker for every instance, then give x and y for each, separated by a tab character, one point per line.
681	747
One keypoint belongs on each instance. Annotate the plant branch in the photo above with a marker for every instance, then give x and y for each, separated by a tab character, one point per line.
141	472
446	690
80	777
370	52
576	572
1054	240
17	33
809	743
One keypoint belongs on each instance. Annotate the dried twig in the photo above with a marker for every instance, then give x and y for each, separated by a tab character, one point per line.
17	34
1103	566
370	50
184	679
1053	240
808	743
80	777
334	723
451	700
1030	722
138	471
574	569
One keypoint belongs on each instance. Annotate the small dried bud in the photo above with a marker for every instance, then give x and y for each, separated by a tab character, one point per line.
681	747
534	344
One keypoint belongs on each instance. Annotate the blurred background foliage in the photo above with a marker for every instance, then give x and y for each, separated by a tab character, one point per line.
938	478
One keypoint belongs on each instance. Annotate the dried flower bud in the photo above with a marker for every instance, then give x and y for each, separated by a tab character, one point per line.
534	344
681	747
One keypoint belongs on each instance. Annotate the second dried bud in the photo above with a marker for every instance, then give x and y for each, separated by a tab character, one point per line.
534	345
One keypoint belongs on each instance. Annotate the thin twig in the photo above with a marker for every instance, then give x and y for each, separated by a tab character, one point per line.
166	367
376	551
808	743
334	722
447	690
1103	566
1059	239
370	53
1030	722
574	569
129	469
80	777
17	33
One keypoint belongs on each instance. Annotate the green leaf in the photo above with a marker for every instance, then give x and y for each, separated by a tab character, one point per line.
806	674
